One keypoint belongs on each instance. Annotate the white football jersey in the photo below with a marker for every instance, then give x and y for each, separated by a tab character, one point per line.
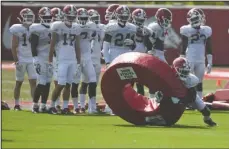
44	34
140	47
158	35
96	44
195	51
86	38
119	34
65	45
24	52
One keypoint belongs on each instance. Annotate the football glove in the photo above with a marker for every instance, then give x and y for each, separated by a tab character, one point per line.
18	66
50	70
37	65
152	52
78	68
158	96
209	66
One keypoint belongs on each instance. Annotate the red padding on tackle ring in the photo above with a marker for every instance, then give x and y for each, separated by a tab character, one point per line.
145	69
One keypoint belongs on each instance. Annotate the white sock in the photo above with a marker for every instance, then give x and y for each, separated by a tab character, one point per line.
75	102
52	104
93	103
151	96
65	104
17	102
57	101
200	94
82	100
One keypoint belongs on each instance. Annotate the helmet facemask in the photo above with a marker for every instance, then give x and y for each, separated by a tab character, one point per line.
83	20
166	23
184	72
28	19
69	19
45	19
95	19
139	21
123	19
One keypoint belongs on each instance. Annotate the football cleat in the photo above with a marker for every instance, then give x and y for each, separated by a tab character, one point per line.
66	111
52	110
35	109
82	110
210	122
76	111
17	108
43	110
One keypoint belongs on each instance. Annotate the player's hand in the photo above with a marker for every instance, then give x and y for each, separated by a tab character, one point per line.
93	34
50	70
37	65
151	52
158	96
209	68
78	68
18	66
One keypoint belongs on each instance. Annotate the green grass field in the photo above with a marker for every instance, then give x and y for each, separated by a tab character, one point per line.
27	130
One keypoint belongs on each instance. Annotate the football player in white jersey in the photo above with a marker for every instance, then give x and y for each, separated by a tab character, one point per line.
138	19
96	47
57	15
119	37
66	41
22	55
196	37
110	13
158	30
40	44
88	33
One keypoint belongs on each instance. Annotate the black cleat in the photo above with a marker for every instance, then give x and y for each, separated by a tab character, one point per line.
66	111
43	110
210	122
82	110
17	108
35	110
52	110
76	111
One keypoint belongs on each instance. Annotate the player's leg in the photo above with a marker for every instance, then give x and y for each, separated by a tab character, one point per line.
83	89
19	74
62	80
66	95
55	70
199	72
200	106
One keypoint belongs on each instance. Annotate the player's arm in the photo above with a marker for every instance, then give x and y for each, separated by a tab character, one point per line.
52	46
34	44
184	45
77	49
14	47
209	54
106	46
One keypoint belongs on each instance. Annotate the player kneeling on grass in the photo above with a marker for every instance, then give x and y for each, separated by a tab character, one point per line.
182	69
40	42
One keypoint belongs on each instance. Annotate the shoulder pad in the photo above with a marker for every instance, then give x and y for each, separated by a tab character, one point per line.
191	81
56	25
36	28
110	27
207	30
132	27
16	28
154	26
184	30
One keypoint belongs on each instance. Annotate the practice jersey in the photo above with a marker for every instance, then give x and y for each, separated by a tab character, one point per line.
158	36
117	35
96	44
44	34
86	37
24	52
65	44
197	38
140	47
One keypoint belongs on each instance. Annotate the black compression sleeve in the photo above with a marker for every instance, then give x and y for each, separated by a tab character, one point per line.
34	43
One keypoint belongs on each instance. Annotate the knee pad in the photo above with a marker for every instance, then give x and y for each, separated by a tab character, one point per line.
199	87
83	88
146	70
74	90
92	89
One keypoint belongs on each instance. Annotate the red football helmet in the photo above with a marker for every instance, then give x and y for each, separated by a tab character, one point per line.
44	15
164	17
57	14
70	13
110	12
182	67
94	16
26	16
123	14
196	17
83	16
139	17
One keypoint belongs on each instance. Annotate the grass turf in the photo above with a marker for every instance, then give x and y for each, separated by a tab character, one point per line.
27	130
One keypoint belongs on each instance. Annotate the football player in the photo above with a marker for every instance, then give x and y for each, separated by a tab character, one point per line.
110	13
66	41
22	55
88	33
119	37
158	30
40	42
138	19
196	37
96	47
182	69
57	15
